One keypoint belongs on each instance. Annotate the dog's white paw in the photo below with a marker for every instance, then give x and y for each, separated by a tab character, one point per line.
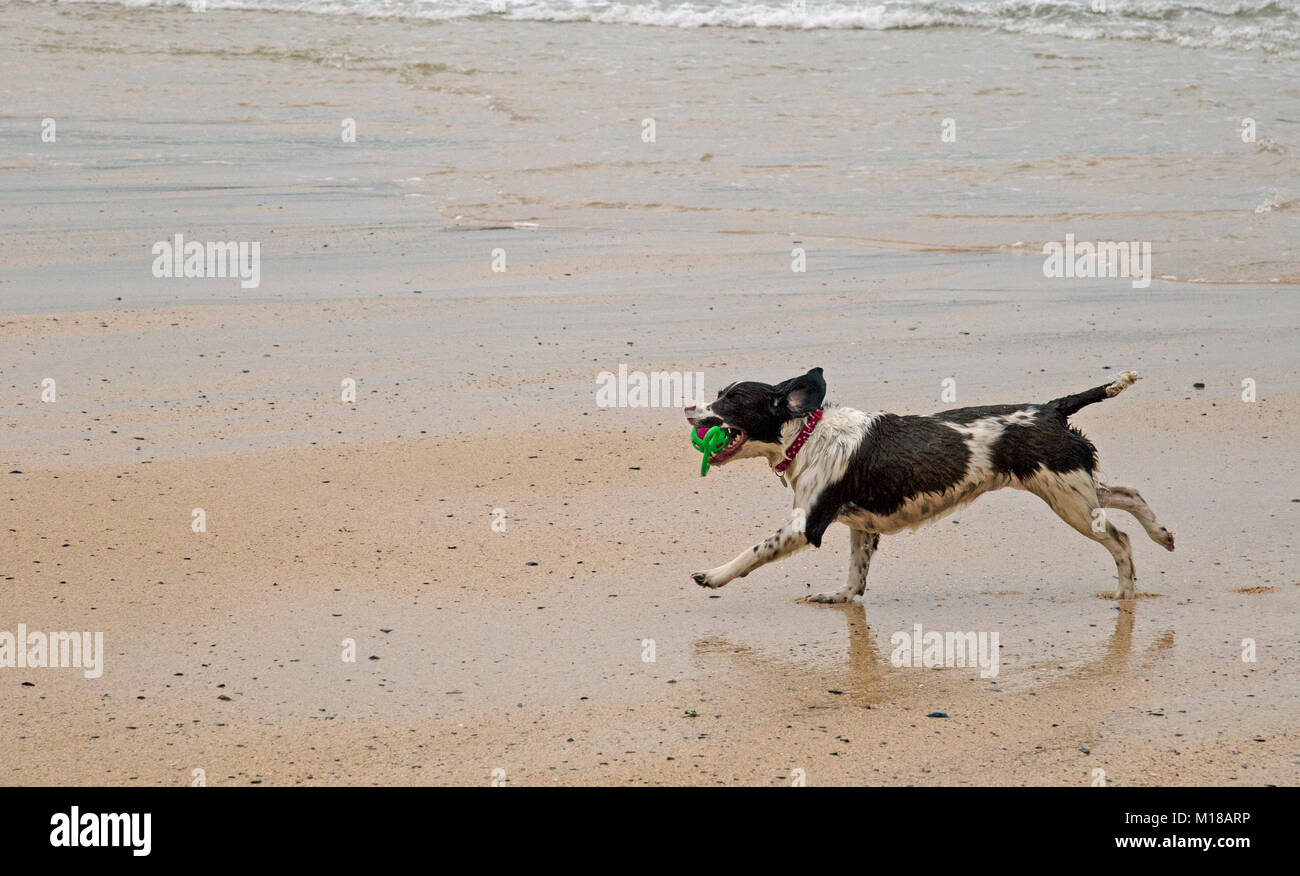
834	597
707	579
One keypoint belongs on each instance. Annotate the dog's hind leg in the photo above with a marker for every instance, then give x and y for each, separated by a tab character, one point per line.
1073	496
864	544
786	540
1128	499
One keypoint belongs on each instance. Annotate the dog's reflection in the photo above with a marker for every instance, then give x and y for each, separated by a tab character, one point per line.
867	676
864	678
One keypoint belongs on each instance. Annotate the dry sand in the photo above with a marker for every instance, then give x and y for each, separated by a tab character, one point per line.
522	650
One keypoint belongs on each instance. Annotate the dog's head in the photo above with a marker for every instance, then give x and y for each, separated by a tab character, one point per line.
754	413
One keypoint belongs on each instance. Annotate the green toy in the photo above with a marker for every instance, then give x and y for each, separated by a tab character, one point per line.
709	442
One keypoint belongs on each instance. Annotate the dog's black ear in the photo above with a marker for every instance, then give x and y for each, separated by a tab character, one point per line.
802	395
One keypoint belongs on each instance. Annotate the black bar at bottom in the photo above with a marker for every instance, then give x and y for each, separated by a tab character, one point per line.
330	825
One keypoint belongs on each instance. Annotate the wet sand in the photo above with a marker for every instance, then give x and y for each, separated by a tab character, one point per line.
522	650
484	661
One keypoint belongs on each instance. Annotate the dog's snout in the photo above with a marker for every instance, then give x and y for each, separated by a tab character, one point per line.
702	416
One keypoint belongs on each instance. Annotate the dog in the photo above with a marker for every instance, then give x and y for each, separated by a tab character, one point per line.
880	473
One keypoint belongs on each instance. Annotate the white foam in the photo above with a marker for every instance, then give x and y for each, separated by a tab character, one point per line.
1266	25
1273	202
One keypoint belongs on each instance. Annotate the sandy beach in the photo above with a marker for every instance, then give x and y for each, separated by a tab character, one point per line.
502	550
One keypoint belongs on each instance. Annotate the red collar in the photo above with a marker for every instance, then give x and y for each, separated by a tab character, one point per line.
793	450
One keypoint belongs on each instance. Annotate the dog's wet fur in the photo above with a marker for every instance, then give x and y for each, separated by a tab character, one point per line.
880	473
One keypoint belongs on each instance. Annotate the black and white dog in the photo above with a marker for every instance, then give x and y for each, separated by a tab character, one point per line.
880	473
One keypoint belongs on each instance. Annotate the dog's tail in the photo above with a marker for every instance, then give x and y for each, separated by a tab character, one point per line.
1069	404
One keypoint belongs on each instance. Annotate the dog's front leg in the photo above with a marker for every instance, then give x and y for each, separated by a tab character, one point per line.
786	540
864	546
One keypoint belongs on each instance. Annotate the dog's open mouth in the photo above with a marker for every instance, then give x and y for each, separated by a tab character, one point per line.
736	440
